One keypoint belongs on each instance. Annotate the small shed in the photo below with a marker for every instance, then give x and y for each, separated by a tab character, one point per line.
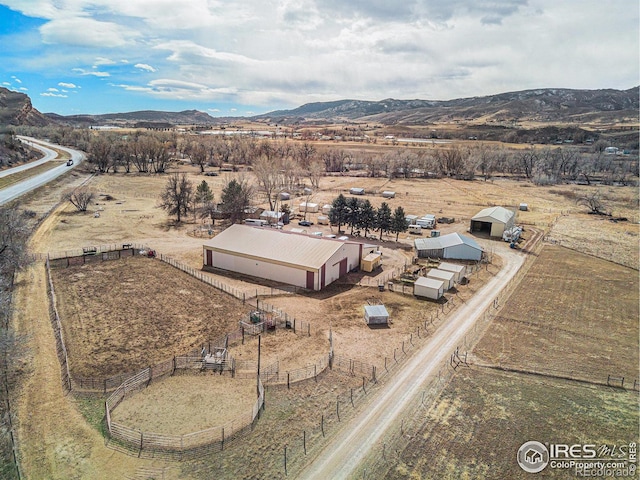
371	261
428	288
308	207
307	191
284	196
376	315
446	277
523	207
326	208
388	194
458	270
356	191
323	220
272	216
411	219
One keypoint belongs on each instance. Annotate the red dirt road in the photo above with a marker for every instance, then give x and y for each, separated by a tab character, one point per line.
341	458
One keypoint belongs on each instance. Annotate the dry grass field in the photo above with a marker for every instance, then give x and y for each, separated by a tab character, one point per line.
573	315
476	426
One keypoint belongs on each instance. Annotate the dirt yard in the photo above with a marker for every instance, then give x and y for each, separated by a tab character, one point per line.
187	403
123	315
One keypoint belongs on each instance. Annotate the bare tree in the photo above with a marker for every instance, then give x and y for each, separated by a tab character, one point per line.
80	197
100	153
178	198
268	175
198	153
593	201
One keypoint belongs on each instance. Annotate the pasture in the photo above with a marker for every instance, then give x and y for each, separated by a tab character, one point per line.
538	373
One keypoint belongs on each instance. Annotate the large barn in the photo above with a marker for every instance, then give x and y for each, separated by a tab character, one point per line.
494	221
452	246
305	261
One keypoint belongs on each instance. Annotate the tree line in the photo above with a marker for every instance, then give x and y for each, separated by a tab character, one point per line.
285	163
360	215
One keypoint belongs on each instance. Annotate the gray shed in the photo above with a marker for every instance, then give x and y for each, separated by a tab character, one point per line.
428	288
452	246
376	315
356	191
446	277
458	270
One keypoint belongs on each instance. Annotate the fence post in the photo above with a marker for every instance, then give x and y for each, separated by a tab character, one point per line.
141	439
222	442
338	407
322	424
304	441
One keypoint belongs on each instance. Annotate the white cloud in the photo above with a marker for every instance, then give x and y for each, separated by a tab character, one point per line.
23	89
67	85
144	66
52	89
95	73
288	52
16	79
6	84
51	94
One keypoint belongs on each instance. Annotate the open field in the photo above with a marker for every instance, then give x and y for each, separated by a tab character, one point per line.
475	428
573	315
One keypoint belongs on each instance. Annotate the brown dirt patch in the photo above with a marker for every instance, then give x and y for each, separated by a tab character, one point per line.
187	403
122	315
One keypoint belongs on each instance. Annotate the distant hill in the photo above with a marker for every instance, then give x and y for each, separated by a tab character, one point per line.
147	118
16	109
540	105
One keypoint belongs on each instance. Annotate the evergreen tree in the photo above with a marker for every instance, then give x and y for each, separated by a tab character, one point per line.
398	222
353	213
383	218
338	213
367	217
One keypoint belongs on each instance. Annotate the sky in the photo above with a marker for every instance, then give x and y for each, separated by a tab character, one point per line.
246	57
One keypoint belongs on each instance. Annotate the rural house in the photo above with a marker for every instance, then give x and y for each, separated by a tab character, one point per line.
452	246
494	220
305	261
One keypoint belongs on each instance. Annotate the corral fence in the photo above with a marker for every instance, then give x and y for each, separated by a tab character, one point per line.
81	256
173	445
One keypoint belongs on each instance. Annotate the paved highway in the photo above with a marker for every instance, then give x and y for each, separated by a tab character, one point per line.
14	191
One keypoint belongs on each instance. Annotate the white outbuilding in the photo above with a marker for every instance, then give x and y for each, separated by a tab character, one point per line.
446	277
376	315
428	288
493	220
452	246
458	270
305	261
309	207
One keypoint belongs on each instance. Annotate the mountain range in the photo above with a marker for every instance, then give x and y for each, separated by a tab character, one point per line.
543	106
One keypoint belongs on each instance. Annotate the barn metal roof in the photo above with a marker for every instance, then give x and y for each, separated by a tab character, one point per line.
444	241
494	214
274	245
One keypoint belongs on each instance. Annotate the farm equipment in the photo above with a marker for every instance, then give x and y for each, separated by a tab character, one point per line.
512	235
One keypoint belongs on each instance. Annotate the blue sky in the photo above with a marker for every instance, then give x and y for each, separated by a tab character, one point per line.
247	57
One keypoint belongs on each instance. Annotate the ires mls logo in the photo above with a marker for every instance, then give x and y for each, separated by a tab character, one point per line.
533	457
